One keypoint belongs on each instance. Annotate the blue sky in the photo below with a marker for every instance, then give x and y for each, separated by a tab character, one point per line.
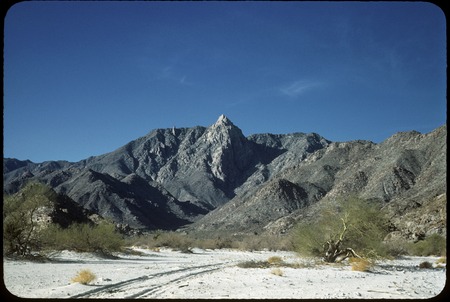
84	78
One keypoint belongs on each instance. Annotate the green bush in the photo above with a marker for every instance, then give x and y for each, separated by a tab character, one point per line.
357	223
20	218
175	241
433	245
83	238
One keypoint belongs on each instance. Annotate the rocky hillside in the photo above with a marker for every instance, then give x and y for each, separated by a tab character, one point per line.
406	173
170	177
218	179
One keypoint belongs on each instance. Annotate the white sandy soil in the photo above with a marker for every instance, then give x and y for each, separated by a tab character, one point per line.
214	274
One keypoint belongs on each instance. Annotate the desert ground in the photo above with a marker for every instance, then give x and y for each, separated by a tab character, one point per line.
212	274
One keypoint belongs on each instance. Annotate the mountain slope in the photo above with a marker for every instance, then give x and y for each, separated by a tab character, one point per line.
406	169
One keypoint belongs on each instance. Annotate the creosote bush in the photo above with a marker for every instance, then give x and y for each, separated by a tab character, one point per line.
84	276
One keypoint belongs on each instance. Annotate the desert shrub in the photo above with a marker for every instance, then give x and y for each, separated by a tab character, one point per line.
213	243
83	238
211	240
254	264
249	243
434	244
23	232
223	242
175	241
360	264
275	260
84	276
277	272
309	239
20	221
397	247
351	223
425	264
158	239
441	262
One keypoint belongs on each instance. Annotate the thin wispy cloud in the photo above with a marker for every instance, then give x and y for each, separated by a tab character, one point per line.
166	72
299	87
170	73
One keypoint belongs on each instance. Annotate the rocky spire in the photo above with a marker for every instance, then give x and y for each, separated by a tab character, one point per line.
224	131
223	120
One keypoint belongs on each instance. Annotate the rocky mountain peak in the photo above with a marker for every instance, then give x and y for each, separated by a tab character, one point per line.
223	131
223	120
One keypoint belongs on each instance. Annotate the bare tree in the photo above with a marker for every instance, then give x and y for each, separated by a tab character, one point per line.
334	253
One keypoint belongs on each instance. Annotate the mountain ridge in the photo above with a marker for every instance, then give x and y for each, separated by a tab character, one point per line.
216	178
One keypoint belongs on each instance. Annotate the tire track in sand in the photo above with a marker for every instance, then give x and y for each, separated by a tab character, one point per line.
146	293
151	282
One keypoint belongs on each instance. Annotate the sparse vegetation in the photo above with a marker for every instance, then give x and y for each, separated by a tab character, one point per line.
433	245
254	264
273	261
27	227
441	261
101	238
339	228
183	241
84	276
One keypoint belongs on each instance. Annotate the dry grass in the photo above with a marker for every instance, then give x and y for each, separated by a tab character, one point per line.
360	264
275	260
277	272
84	276
254	264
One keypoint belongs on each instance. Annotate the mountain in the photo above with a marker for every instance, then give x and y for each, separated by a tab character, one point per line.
215	178
405	172
170	177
